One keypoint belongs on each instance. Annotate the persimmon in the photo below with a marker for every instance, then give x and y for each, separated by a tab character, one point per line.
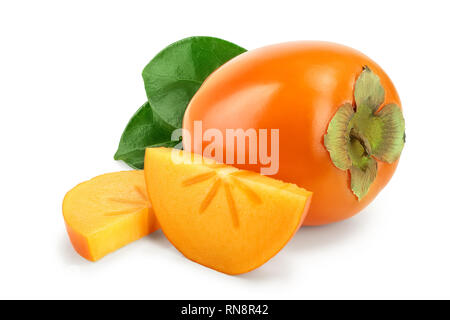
339	116
108	212
224	218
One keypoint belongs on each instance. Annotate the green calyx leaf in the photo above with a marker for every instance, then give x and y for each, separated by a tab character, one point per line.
141	132
391	133
175	74
368	90
362	178
356	139
337	138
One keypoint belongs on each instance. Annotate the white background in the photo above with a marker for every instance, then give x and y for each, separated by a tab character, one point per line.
70	78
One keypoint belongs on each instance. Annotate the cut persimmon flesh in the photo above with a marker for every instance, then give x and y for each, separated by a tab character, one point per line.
227	219
108	212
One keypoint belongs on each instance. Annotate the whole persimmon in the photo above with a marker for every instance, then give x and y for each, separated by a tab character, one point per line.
340	124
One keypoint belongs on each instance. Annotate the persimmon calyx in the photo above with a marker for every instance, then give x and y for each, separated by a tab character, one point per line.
358	136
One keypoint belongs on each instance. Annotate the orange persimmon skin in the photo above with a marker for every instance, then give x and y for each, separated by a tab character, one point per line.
295	87
79	243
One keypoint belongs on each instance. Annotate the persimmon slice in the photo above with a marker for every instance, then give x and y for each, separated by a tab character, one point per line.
108	212
224	218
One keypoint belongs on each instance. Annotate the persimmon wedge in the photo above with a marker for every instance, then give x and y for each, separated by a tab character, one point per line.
108	212
224	218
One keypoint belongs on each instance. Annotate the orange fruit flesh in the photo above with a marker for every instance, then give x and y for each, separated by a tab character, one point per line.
227	219
108	212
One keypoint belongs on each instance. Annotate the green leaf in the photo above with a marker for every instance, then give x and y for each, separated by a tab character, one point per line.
142	132
175	74
369	93
337	138
362	178
392	133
